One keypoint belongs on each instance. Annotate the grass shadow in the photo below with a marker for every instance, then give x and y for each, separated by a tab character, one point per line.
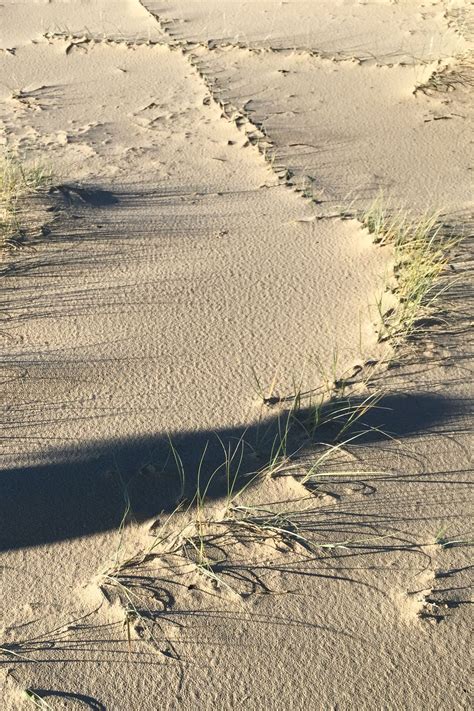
71	494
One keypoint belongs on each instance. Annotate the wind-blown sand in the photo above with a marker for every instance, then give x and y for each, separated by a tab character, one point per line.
182	264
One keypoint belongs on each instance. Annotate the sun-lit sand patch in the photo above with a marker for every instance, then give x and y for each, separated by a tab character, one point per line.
381	31
349	131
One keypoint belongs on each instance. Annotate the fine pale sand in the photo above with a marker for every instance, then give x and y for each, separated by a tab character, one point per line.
200	253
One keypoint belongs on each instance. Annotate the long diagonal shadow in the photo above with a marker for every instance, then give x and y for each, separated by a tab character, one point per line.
69	494
72	495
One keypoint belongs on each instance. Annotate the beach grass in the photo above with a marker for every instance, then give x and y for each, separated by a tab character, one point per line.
18	180
449	77
421	252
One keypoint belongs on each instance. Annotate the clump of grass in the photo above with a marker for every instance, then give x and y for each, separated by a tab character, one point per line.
264	523
448	78
120	582
421	256
17	182
199	536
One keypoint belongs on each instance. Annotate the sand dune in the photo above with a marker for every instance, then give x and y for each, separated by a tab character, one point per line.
199	259
383	31
419	153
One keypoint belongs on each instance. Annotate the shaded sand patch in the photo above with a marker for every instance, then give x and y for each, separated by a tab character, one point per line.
284	600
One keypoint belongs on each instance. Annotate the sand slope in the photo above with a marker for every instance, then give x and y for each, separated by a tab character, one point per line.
197	273
381	31
179	264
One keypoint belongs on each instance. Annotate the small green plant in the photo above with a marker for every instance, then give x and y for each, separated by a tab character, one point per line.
268	396
17	181
441	539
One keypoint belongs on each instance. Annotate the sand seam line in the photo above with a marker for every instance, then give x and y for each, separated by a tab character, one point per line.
463	60
89	38
215	45
447	65
339	57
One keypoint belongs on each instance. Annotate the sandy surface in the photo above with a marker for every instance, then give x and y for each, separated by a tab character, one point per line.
382	31
181	265
381	133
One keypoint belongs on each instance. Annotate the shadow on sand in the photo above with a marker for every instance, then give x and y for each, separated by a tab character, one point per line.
67	495
71	495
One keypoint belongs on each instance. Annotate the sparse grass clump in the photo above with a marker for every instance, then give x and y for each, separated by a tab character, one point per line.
17	182
448	78
421	256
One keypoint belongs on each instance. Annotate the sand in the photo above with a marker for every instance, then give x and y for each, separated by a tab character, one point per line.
201	251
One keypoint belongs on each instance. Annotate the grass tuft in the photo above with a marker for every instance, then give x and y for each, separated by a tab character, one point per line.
17	182
421	256
448	78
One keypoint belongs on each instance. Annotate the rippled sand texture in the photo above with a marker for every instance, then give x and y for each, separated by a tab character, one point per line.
200	249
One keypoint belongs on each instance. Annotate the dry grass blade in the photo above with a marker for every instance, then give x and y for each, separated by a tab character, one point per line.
37	700
30	694
449	78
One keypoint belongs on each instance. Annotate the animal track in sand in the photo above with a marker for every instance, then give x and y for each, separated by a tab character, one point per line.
417	604
330	493
439	592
